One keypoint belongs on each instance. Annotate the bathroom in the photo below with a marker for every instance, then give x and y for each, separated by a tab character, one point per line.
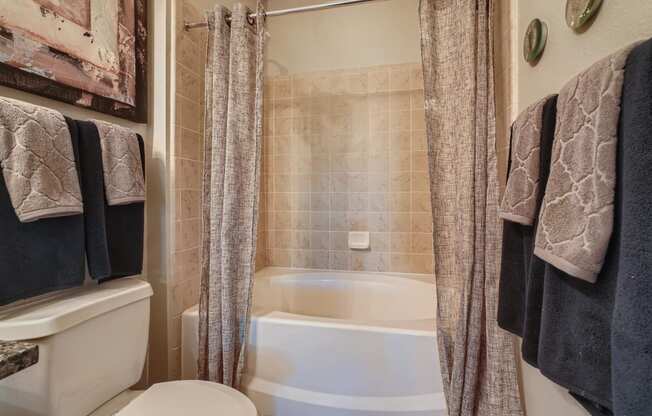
321	225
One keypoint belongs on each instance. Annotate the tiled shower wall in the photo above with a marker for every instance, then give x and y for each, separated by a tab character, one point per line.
346	151
183	283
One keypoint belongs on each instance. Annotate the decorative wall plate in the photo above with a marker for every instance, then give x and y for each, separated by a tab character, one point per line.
535	40
578	12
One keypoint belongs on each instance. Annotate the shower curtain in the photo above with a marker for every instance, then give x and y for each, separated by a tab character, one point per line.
478	360
232	148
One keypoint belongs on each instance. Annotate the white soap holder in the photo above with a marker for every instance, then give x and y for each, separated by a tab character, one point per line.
359	240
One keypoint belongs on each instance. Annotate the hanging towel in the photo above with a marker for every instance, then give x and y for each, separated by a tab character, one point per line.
114	234
521	277
40	256
38	164
593	332
577	214
124	181
631	333
519	202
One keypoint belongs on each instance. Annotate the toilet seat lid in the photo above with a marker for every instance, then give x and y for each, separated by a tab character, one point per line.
191	397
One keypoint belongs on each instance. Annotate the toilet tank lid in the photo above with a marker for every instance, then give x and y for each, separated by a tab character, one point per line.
62	311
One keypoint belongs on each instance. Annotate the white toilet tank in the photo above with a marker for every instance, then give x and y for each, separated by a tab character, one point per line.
92	346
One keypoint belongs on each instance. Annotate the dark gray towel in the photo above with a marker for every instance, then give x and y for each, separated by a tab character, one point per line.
580	319
521	276
631	334
114	234
41	256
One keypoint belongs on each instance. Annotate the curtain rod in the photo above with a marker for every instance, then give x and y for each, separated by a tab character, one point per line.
333	4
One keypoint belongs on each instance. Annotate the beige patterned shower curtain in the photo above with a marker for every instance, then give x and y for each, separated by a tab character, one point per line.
478	360
232	137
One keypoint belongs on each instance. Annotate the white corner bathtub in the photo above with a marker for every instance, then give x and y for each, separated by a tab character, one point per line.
325	343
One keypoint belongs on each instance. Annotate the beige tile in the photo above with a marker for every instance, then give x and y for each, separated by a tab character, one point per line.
420	182
320	259
400	182
188	204
301	258
189	144
378	103
399	79
378	221
378	201
188	84
339	260
359	202
379	241
400	263
369	261
283	239
358	221
282	88
319	201
400	201
339	240
421	202
301	239
418	120
400	242
400	222
301	220
320	221
421	243
187	234
188	174
422	222
416	78
319	240
378	122
378	80
421	264
419	142
280	258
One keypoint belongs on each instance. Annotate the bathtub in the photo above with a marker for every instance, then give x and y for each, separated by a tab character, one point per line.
338	344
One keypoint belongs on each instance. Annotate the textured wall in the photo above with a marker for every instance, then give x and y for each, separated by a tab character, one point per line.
345	151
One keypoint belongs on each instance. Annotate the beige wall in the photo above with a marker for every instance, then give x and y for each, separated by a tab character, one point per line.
382	33
619	23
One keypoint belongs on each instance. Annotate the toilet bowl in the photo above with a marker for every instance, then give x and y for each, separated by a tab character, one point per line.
92	347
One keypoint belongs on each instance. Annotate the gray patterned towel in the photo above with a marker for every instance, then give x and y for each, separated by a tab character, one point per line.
124	181
520	200
576	217
38	163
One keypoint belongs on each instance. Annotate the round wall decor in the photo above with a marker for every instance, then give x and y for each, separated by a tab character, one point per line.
578	12
535	40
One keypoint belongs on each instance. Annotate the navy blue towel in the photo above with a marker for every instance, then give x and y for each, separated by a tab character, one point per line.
521	275
41	256
631	332
596	339
114	234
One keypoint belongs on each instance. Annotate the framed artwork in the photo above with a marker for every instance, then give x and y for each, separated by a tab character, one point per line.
91	53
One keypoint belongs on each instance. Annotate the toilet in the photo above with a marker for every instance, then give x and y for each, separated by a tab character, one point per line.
92	348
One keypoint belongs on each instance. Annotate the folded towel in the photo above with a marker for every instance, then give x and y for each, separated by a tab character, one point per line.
37	160
631	324
114	234
577	214
40	256
521	275
519	201
122	164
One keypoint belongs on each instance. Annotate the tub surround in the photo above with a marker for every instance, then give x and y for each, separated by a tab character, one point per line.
16	356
